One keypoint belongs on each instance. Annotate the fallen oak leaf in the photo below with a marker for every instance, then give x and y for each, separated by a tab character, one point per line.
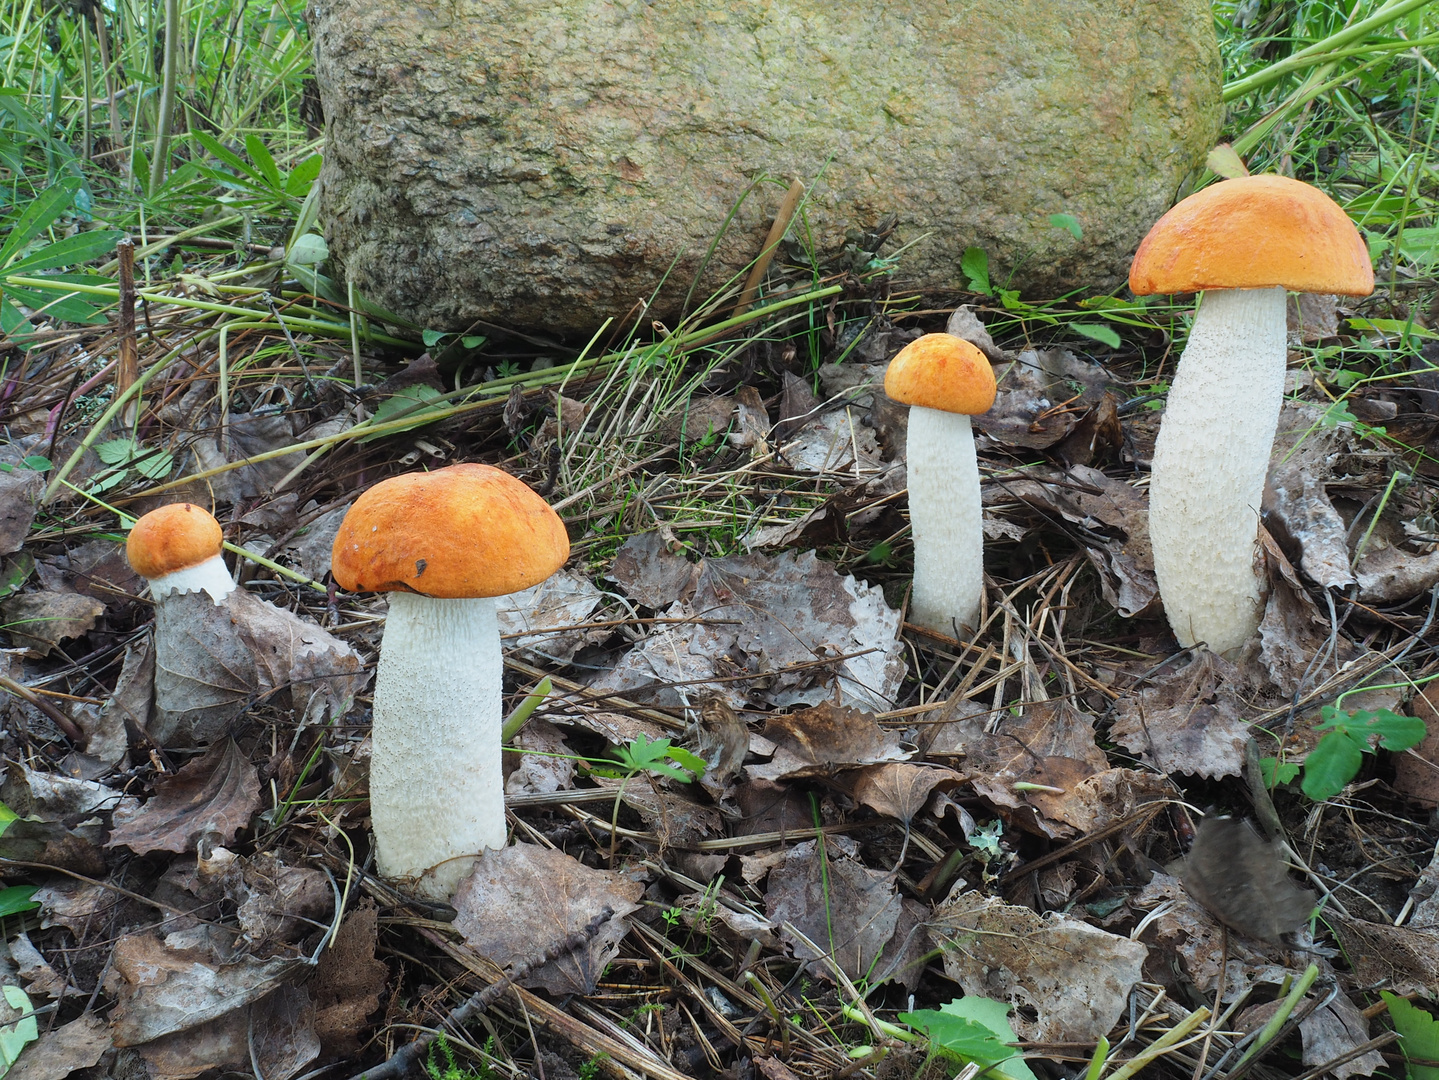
899	790
216	794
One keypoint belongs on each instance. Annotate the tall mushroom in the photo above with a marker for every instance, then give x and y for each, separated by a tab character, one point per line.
944	380
1242	243
178	548
443	544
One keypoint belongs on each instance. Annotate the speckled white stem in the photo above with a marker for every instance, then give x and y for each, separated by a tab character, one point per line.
1210	462
211	576
947	520
436	794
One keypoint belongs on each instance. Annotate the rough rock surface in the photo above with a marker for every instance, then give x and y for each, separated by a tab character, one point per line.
542	163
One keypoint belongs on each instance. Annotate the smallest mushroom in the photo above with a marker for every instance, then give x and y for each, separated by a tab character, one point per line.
178	549
944	380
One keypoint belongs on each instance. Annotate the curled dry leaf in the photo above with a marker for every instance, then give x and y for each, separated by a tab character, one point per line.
214	795
1334	1030
823	740
1188	722
164	989
38	621
837	904
276	1034
1024	413
524	899
1241	878
546	762
541	621
213	661
348	982
899	790
1075	976
1296	503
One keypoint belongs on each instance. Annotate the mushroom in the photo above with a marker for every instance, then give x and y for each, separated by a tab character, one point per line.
178	548
443	544
944	380
1241	242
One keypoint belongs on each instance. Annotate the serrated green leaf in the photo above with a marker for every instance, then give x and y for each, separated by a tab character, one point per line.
156	466
1331	764
1418	1035
1098	332
974	264
1395	732
115	451
974	1028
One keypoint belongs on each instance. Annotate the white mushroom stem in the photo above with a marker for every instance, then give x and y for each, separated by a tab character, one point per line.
436	793
211	576
947	521
1210	463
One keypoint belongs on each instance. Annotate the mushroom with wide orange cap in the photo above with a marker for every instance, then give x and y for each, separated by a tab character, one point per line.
944	380
443	544
1241	242
178	548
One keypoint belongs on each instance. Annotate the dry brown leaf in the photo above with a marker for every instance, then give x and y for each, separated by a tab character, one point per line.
545	761
38	621
1051	744
838	904
540	621
213	795
1388	575
674	818
213	661
1297	507
651	570
1075	976
523	899
348	982
1186	930
20	491
780	621
823	740
1333	1030
35	971
1188	722
1416	772
75	905
163	989
1114	795
283	1029
278	904
67	1049
1400	958
899	790
1241	878
1023	413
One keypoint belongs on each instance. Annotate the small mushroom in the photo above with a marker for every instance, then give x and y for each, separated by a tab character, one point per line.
1241	242
443	544
944	380
178	549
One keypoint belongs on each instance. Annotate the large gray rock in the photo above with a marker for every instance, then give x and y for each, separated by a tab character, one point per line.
546	163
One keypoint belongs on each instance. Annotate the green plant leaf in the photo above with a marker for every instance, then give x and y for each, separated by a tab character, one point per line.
15	1037
18	899
308	250
976	1029
431	338
1223	161
1330	765
1275	773
37	462
37	215
155	465
115	451
79	248
6	817
303	175
1069	223
975	266
404	403
1395	732
260	155
1098	332
1418	1034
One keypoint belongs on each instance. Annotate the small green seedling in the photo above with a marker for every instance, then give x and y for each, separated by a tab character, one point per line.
1336	759
660	757
973	1029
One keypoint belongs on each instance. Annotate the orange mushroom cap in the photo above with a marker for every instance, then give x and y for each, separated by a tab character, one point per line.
1254	232
173	538
463	531
944	372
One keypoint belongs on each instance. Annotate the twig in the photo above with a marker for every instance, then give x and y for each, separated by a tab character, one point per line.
63	722
400	1062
